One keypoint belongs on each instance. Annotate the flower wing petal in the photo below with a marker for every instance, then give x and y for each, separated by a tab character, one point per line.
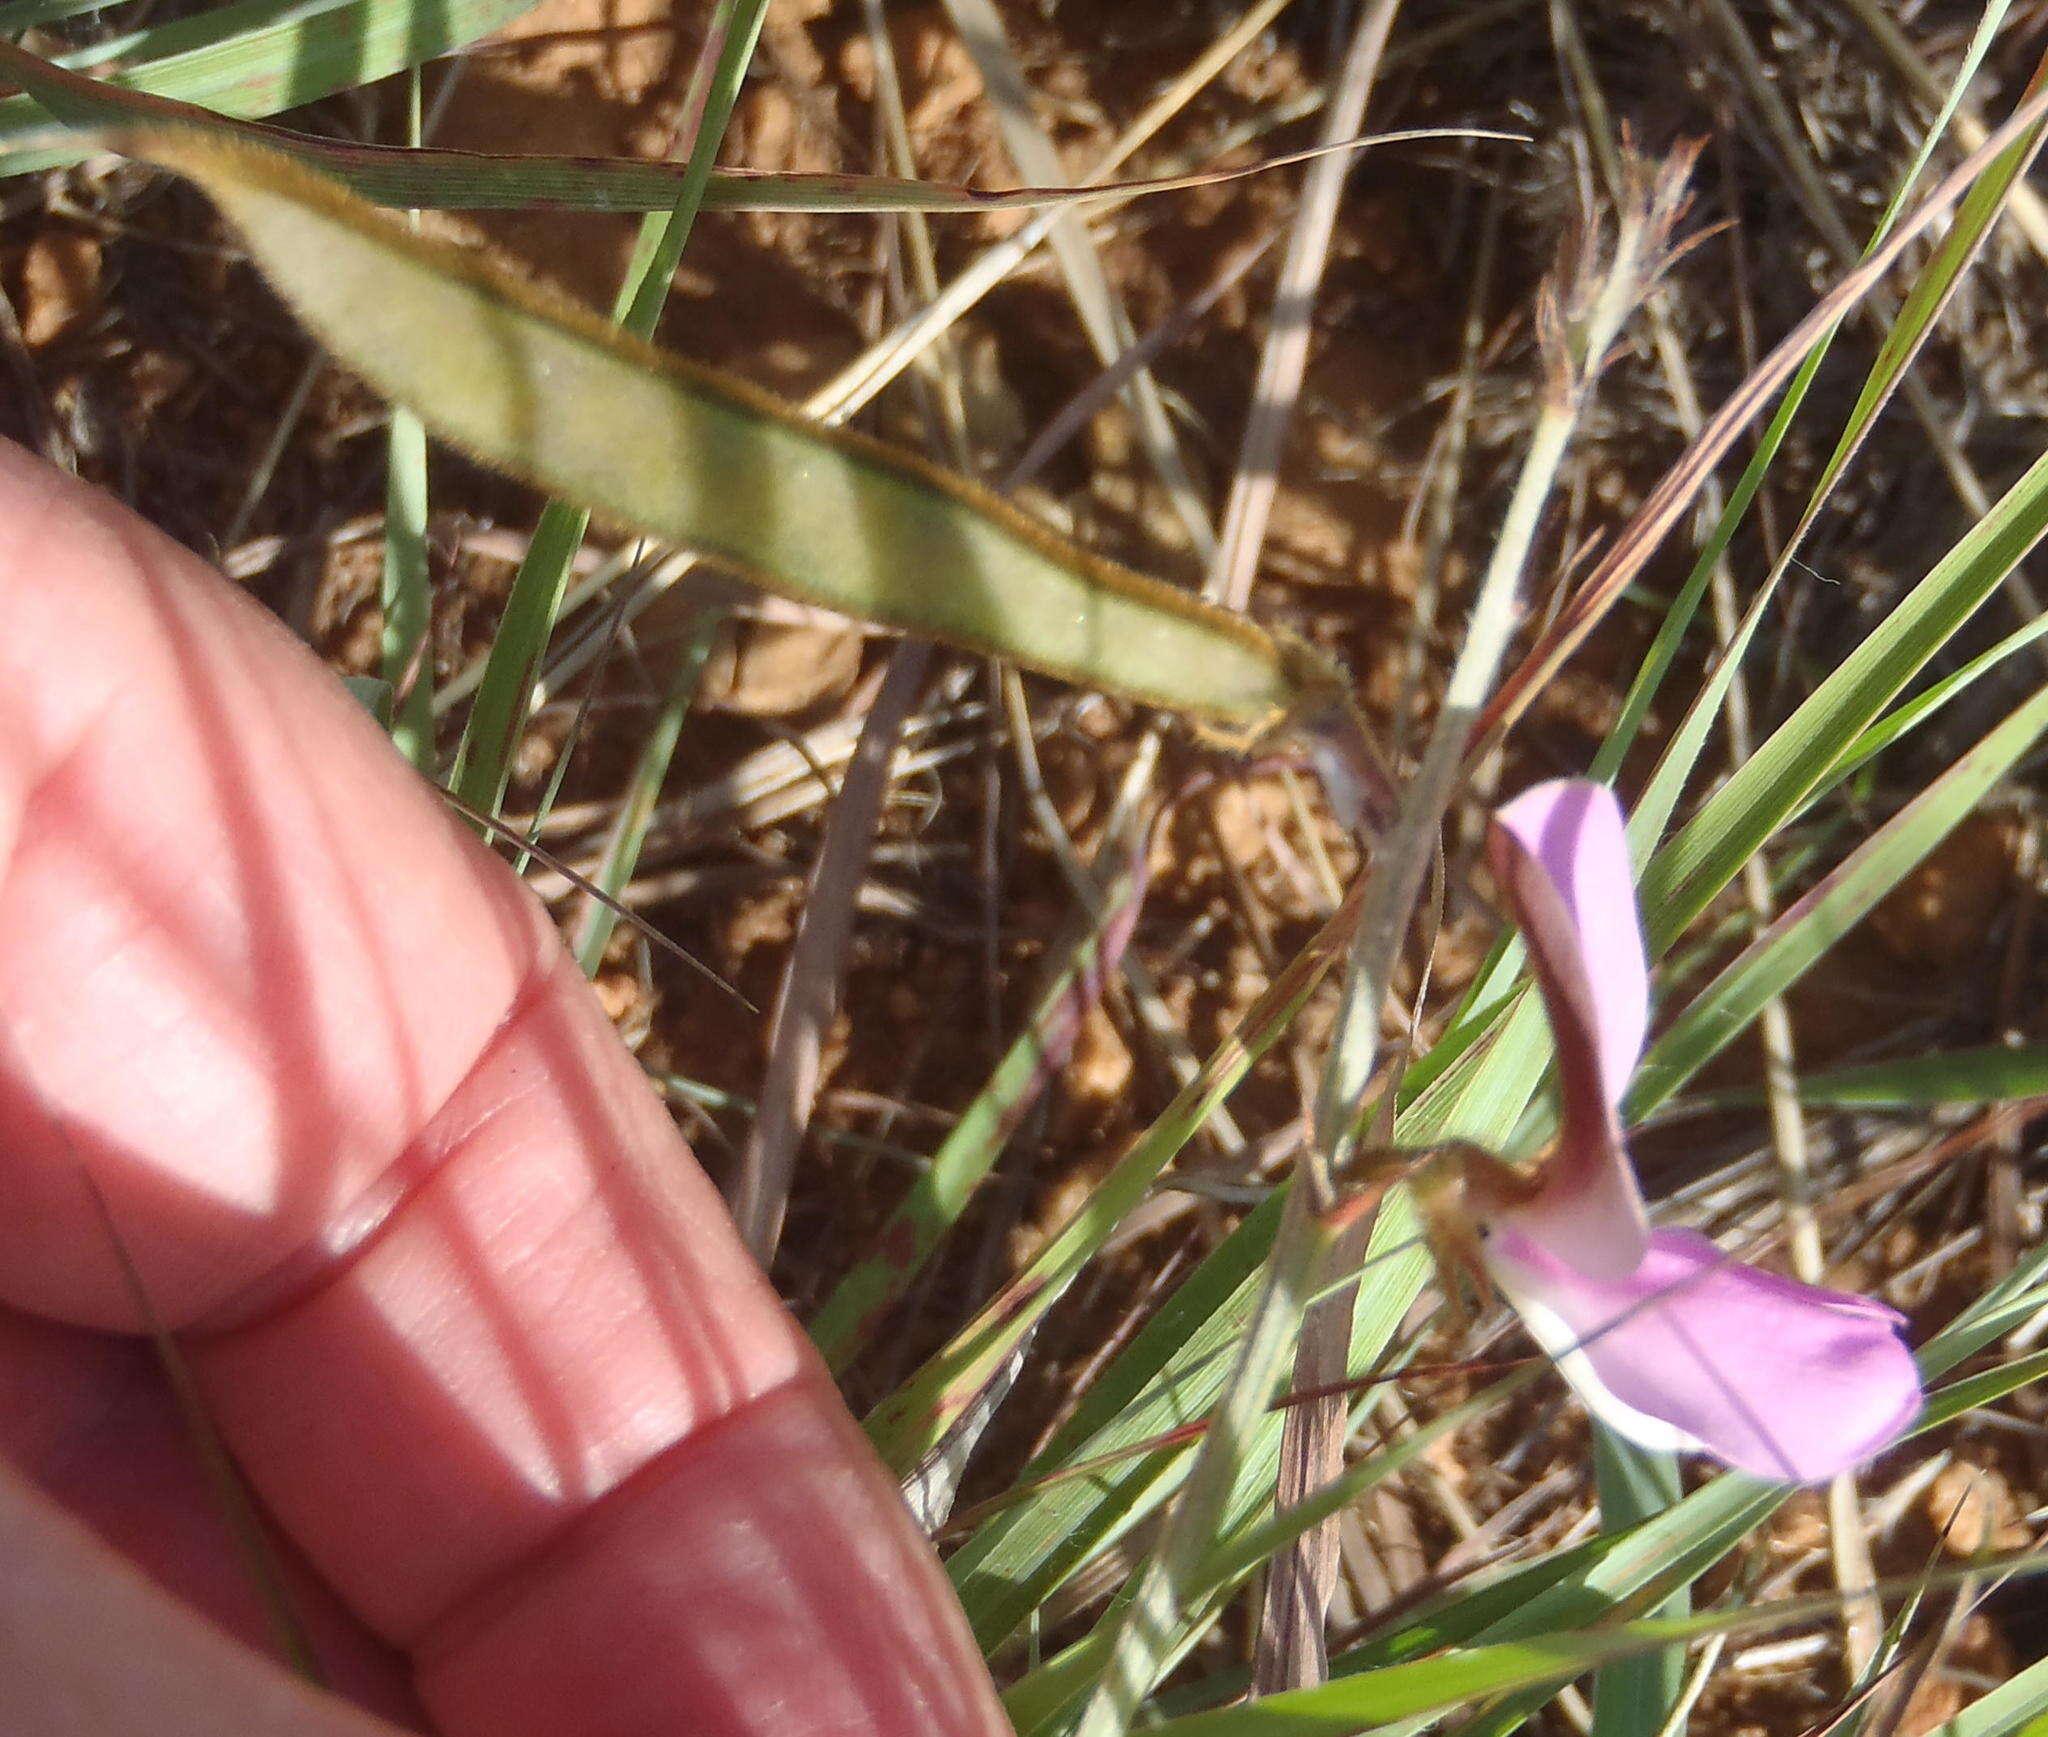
1695	1350
1560	855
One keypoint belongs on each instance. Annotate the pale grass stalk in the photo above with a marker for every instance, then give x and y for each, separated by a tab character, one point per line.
1862	1621
862	380
810	981
779	781
1291	1651
1283	358
1576	347
1404	855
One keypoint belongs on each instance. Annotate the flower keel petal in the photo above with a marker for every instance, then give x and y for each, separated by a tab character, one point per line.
1694	1350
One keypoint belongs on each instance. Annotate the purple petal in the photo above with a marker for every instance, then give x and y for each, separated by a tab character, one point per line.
1560	855
1695	1351
1572	832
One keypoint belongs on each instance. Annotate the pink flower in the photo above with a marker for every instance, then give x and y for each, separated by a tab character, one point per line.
1669	1342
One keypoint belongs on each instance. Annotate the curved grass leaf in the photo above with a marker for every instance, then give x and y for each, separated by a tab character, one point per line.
1637	1694
2019	1704
1988	1075
433	178
1904	719
542	389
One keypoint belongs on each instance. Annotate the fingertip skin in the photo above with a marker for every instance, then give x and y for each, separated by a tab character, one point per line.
548	1297
89	1647
474	1324
245	952
810	1605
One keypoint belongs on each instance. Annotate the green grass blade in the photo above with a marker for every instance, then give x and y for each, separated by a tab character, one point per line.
1371	1700
1986	1388
1770	786
497	716
504	699
643	790
1991	1074
1916	711
1239	1556
203	29
2005	1306
1635	1695
1942	1408
1678	618
1939	280
2019	1704
1798	939
911	1421
293	61
1675	493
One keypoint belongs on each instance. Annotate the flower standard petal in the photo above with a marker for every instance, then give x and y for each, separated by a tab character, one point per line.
1559	853
1698	1351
